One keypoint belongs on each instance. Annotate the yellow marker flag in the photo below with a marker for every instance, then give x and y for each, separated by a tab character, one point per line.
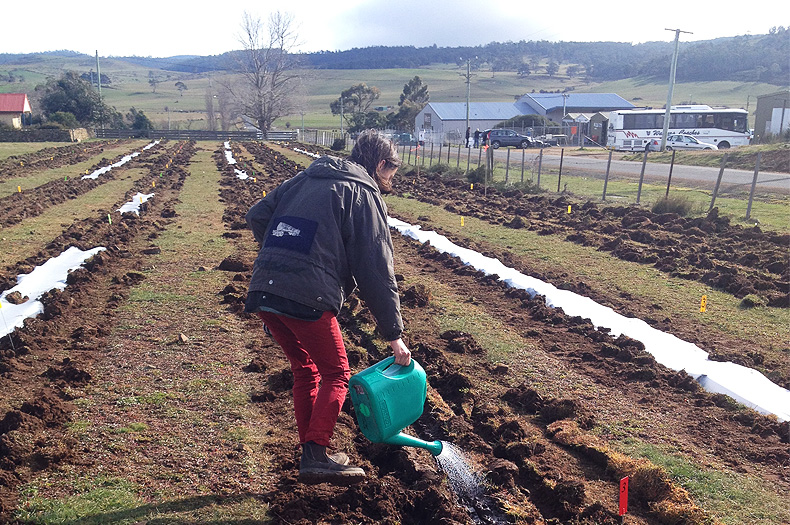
19	189
141	199
264	193
153	184
703	304
109	219
462	221
569	208
472	186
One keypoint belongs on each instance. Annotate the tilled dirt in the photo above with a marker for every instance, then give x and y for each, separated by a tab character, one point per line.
32	436
542	429
48	158
17	207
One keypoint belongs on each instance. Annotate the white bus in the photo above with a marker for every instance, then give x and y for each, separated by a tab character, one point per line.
636	129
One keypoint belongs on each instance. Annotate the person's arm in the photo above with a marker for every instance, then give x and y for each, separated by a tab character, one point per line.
260	214
369	256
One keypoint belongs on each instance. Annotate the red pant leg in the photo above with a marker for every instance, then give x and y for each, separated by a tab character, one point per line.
316	352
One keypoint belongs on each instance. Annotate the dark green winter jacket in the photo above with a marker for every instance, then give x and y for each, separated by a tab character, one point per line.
322	233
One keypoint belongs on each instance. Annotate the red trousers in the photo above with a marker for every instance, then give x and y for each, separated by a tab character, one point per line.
320	368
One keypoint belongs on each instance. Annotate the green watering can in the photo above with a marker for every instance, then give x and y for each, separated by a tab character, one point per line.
387	398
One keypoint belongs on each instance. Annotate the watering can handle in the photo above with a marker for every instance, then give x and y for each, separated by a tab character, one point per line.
387	367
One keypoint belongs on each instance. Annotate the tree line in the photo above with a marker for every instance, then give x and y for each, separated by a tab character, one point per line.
746	58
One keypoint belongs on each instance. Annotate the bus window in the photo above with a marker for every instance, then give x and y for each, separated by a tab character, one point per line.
706	121
683	120
731	122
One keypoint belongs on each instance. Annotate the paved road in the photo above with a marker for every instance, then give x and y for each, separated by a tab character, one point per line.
593	166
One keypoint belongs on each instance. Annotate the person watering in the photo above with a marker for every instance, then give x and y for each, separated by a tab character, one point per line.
323	233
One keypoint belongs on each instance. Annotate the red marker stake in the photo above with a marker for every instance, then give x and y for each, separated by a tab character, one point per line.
623	496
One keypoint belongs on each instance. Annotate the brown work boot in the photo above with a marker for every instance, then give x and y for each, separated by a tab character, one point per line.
316	467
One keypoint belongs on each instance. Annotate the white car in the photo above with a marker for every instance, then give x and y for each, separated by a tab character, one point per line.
687	142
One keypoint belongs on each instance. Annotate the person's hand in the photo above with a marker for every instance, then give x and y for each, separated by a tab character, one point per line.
401	353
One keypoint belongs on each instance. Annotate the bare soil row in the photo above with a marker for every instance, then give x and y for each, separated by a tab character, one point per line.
536	427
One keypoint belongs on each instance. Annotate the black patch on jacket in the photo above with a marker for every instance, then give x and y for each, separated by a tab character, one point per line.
291	233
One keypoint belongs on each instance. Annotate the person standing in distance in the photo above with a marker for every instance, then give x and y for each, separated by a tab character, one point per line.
323	233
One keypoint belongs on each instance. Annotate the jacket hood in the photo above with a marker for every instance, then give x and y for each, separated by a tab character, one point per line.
329	167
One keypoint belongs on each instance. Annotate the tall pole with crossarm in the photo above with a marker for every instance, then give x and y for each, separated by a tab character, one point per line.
671	87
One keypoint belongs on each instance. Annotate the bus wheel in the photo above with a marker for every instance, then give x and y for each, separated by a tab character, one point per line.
724	145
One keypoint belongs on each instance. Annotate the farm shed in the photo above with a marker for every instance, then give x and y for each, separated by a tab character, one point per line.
448	119
555	105
13	107
772	115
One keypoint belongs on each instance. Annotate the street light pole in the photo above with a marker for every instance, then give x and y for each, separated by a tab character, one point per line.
468	90
671	87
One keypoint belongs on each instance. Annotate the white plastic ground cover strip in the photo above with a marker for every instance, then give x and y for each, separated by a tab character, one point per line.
229	156
52	274
133	206
314	155
745	385
124	160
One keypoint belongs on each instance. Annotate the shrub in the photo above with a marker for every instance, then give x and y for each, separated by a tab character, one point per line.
476	175
65	119
751	301
339	144
674	204
438	168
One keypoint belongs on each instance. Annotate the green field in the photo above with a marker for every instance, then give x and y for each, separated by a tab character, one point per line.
130	88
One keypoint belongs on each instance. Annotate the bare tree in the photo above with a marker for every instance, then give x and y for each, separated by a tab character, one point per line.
267	68
211	116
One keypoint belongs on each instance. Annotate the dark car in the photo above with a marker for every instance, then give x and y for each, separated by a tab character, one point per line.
507	137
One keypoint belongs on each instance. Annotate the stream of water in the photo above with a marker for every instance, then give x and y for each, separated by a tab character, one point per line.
468	485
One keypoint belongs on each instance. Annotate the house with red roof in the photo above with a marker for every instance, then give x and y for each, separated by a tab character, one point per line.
13	107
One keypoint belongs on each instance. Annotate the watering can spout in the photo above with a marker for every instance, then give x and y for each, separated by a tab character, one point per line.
405	440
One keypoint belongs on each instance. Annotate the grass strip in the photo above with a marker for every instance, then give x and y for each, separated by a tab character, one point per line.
28	237
677	298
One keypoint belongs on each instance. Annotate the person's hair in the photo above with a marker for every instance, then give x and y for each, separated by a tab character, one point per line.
370	149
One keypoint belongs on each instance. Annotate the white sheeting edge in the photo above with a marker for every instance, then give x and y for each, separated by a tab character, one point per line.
133	206
52	274
745	385
105	169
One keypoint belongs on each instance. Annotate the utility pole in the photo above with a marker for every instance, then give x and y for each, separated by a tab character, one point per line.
98	83
671	87
468	81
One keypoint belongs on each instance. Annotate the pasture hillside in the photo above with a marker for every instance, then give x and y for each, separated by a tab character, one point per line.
129	87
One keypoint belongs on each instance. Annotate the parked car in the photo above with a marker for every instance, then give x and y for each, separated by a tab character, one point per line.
404	138
507	137
680	141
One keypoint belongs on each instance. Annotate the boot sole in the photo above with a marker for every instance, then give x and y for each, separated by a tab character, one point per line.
314	477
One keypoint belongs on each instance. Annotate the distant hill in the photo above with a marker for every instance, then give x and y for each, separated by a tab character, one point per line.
747	58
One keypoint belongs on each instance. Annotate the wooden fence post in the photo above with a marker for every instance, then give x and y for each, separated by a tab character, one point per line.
559	178
606	178
718	182
641	178
671	166
754	183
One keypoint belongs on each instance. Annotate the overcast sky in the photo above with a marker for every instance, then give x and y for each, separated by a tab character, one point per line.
166	28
